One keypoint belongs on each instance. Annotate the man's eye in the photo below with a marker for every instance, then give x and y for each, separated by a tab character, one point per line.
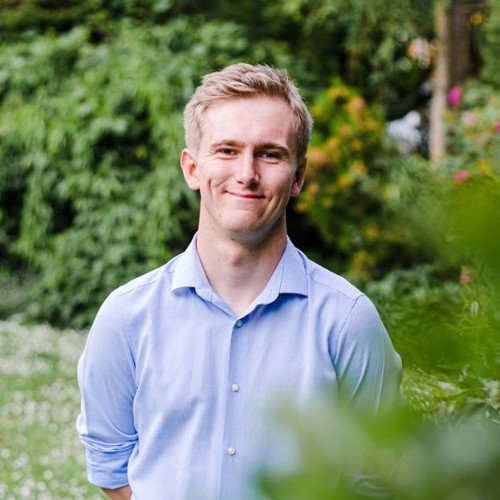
227	151
272	155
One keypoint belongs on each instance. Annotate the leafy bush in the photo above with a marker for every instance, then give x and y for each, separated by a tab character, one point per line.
347	176
490	47
444	316
90	137
367	44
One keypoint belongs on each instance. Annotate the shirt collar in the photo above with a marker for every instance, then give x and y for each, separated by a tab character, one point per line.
189	273
289	276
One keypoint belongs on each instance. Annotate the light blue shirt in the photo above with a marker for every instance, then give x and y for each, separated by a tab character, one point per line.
177	391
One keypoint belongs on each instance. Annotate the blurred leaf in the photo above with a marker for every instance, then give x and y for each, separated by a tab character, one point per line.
347	455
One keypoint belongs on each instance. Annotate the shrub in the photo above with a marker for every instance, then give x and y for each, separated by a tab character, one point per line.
347	175
491	44
90	137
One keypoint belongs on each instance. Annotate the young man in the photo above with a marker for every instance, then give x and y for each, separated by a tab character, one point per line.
183	365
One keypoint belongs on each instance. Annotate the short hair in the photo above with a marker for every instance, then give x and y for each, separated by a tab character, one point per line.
247	81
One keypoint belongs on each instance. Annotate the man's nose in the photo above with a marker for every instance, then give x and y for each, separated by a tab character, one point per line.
248	171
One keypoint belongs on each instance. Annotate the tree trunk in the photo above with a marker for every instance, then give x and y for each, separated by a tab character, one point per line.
437	146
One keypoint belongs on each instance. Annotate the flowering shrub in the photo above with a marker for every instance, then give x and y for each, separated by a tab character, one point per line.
345	181
442	311
474	124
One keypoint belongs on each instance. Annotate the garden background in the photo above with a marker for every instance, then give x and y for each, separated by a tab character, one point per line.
402	197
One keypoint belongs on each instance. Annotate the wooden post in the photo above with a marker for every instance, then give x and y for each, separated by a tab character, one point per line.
437	139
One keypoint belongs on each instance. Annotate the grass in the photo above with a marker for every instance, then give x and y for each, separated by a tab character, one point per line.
41	456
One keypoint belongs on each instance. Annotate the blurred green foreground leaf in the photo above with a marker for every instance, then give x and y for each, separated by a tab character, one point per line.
347	455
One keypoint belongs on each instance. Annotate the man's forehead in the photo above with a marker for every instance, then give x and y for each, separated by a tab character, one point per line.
258	120
260	110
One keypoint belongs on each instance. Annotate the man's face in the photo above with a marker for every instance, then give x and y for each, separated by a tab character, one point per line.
245	167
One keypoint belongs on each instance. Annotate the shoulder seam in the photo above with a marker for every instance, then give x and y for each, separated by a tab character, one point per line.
353	297
346	319
137	283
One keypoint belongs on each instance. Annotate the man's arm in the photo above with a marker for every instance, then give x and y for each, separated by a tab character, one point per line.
106	375
367	366
124	493
369	372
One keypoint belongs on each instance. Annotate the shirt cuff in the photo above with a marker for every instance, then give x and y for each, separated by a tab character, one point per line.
108	470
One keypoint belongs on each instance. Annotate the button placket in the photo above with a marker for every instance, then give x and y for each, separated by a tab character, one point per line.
234	401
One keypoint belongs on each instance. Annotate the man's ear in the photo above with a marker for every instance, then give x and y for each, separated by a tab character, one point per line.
298	180
189	169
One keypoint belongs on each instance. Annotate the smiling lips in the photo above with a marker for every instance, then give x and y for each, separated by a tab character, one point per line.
247	196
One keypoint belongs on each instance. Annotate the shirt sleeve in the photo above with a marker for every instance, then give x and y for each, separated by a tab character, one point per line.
368	368
106	376
369	376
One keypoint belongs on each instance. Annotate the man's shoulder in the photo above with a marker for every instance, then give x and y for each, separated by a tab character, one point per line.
328	281
127	306
144	282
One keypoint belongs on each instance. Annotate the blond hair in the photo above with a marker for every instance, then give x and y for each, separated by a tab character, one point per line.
246	81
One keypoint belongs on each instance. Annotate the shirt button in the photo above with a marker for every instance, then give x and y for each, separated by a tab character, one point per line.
235	387
239	323
231	451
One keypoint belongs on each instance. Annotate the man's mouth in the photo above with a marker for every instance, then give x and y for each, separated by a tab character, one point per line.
247	196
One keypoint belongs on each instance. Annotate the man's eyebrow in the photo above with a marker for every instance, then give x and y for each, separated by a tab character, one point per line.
228	142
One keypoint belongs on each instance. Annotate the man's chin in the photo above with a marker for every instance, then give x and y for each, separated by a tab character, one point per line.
253	232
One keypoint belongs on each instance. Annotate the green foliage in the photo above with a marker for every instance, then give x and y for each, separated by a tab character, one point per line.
491	48
90	137
347	455
14	292
466	183
365	43
446	332
474	126
420	308
462	233
346	177
39	15
444	317
28	18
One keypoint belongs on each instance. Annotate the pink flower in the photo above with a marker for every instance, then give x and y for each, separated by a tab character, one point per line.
497	127
461	176
469	119
455	96
465	278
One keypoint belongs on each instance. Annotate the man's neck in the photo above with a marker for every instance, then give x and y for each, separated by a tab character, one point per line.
239	271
